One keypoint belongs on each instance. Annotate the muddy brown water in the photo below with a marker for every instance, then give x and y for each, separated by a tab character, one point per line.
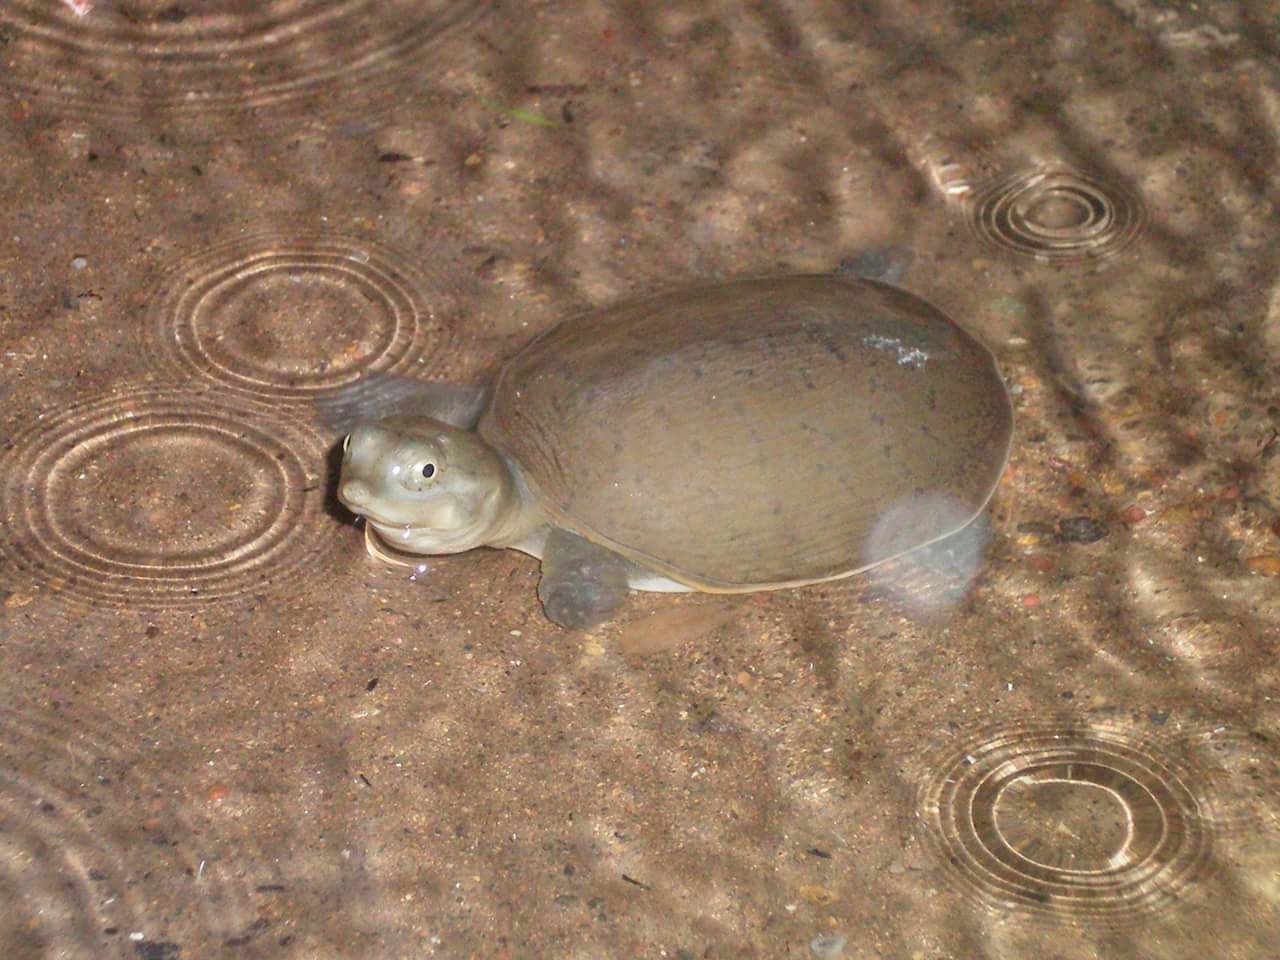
225	732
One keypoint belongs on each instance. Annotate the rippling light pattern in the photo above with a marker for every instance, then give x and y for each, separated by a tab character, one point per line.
1066	822
161	497
1056	214
293	316
92	838
131	56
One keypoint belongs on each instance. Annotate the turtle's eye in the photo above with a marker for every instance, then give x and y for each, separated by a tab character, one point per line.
419	475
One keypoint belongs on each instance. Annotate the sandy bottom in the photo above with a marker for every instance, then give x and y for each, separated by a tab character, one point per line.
226	732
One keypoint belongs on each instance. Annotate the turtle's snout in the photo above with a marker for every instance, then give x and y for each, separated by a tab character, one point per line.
355	493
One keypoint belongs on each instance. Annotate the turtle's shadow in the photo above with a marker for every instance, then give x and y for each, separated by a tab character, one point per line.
332	475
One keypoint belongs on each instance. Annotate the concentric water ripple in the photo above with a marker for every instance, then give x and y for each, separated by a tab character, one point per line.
163	497
1056	214
1243	768
1066	821
90	864
63	882
129	56
291	317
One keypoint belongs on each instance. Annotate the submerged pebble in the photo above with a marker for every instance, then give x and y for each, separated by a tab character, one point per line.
1081	530
1133	514
828	945
1267	564
886	264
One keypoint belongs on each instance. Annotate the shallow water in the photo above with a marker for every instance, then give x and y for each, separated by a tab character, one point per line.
225	732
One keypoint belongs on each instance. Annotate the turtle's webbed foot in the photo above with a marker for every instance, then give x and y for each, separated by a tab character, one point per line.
582	583
578	606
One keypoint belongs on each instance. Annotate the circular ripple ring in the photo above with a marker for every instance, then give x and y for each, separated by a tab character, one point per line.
1061	821
233	54
200	341
290	317
76	875
1056	214
162	497
63	878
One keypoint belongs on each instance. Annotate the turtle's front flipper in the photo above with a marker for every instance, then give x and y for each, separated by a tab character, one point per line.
582	583
383	395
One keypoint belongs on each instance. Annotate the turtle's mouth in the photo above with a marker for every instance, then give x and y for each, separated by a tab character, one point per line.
442	524
380	543
387	529
391	531
420	539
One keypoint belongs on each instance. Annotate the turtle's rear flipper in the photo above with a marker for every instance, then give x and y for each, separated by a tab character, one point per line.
582	583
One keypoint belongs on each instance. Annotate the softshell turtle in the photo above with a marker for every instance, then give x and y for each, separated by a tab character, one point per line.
744	436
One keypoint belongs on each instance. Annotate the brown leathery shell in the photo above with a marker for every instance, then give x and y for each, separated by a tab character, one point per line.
759	433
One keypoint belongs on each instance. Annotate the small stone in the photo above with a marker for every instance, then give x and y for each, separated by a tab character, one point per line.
1187	512
1267	564
1031	600
1081	530
886	264
217	793
79	263
1035	532
828	945
1133	514
1042	562
155	949
816	894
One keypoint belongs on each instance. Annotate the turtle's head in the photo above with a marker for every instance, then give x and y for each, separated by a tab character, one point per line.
427	487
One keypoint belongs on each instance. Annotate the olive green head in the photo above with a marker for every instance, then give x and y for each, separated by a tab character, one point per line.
427	487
